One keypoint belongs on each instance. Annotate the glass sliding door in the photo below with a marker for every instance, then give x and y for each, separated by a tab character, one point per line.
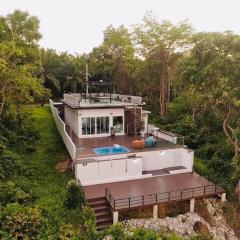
118	124
102	125
88	125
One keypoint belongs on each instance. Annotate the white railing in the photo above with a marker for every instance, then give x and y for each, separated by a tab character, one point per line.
73	98
127	98
168	136
62	131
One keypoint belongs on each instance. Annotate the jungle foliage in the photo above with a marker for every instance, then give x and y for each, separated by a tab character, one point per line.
189	81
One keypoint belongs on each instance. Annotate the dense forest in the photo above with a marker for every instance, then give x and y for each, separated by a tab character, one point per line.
189	80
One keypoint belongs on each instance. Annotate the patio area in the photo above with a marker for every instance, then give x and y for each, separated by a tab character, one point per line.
85	145
152	190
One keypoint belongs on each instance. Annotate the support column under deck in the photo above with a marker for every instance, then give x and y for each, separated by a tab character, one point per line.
115	217
155	211
223	197
192	205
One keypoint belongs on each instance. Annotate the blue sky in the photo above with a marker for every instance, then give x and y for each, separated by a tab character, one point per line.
76	26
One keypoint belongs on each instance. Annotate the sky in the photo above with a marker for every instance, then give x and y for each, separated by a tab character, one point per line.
77	26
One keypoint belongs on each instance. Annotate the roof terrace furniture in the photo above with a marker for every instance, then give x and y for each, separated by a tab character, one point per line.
150	142
138	144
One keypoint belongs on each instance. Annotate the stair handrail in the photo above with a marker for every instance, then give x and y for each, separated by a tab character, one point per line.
110	198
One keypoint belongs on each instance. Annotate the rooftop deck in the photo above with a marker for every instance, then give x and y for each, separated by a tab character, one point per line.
152	190
85	145
100	100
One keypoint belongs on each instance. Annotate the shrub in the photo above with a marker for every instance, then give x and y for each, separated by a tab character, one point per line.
117	231
75	197
20	222
144	234
10	193
89	224
66	232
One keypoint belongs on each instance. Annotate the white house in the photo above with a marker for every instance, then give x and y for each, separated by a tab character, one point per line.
120	159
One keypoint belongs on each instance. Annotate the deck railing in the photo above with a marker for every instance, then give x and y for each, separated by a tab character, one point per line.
62	131
152	199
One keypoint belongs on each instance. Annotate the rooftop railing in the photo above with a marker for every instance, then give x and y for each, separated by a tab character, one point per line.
78	99
127	98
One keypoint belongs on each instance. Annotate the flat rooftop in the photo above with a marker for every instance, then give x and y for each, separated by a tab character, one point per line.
85	146
101	100
168	187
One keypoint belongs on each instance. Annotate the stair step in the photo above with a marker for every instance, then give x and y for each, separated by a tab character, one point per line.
103	214
98	205
103	220
97	202
96	199
103	226
101	208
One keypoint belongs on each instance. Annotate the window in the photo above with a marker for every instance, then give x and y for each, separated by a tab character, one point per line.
118	124
102	125
88	125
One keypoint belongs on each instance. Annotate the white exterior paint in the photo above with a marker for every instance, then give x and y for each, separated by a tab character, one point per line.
73	118
108	171
122	167
161	159
119	167
161	134
62	131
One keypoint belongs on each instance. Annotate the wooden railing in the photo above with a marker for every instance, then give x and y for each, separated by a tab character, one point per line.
178	195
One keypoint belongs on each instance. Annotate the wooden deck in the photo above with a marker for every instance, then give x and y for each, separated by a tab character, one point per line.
85	145
133	193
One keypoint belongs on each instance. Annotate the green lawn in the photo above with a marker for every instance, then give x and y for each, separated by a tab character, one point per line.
48	184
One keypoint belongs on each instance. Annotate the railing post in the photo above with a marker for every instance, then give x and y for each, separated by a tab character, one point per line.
169	196
143	200
215	188
114	204
181	194
204	190
129	202
156	198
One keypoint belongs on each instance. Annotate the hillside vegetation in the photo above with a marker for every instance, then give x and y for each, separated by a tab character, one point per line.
189	81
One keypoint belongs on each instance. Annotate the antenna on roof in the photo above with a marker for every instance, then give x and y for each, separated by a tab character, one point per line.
86	78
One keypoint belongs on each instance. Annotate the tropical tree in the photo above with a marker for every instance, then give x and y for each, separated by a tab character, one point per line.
19	59
117	54
212	72
160	44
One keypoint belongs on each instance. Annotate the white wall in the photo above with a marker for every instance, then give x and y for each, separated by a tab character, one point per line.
108	171
62	131
71	118
119	167
172	139
160	159
108	112
167	158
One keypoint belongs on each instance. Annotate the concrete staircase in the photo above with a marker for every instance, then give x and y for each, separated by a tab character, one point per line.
103	212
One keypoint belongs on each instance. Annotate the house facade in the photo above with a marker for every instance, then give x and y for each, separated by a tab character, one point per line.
122	161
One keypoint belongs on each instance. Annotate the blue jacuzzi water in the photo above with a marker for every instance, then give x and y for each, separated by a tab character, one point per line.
110	150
